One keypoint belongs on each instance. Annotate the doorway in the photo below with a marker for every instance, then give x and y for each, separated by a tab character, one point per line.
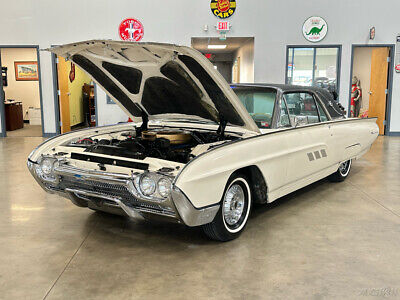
75	96
233	57
21	108
371	75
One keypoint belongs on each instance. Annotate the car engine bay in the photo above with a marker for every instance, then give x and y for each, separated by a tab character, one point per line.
178	145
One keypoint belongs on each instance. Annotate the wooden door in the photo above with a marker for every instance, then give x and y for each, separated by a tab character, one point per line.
378	86
63	96
236	71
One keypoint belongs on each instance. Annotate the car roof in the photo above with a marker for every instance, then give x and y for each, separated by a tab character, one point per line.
333	106
282	87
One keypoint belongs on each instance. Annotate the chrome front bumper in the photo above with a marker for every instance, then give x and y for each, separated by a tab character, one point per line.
114	190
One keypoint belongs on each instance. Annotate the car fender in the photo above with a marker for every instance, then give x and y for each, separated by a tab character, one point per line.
203	179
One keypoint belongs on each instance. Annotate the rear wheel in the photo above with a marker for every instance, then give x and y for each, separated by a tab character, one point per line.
232	216
342	172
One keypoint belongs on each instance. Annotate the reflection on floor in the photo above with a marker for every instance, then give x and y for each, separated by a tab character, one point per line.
27	131
326	241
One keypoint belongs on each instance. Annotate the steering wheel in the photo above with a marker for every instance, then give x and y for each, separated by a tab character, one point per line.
261	116
262	119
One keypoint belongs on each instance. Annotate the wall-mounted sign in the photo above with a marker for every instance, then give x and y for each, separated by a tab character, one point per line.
397	55
223	8
372	33
223	26
315	29
131	30
109	100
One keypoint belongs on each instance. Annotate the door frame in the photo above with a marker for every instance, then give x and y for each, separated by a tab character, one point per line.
2	106
55	94
338	63
390	80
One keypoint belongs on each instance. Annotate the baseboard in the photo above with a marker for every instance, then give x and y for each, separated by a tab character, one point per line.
49	134
80	125
393	133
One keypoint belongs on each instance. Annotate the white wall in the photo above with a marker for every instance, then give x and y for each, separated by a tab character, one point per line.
246	54
274	24
108	113
362	69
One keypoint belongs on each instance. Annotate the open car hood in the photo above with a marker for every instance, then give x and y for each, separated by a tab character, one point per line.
159	80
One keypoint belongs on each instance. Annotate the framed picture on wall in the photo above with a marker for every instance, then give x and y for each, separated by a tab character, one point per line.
109	100
26	70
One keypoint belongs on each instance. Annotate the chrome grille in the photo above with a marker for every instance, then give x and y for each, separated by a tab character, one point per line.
111	190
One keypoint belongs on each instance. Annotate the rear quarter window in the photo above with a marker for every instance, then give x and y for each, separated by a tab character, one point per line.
331	105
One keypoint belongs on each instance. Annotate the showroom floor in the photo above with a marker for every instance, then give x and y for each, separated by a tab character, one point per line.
27	131
325	241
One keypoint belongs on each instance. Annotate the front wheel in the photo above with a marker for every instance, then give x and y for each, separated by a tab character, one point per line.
342	172
232	216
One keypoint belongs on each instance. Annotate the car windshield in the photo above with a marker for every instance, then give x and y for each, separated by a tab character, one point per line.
259	102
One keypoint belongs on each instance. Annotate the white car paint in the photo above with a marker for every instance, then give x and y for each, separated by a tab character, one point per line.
281	156
288	158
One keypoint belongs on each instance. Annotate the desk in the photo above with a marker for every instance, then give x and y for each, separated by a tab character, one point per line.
14	115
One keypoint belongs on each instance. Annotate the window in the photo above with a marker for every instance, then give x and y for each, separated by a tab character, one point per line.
322	114
314	66
259	103
284	120
302	106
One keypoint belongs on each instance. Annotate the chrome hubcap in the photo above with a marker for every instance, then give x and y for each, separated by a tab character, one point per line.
343	168
233	204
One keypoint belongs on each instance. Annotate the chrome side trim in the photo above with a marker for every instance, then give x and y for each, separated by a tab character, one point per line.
356	144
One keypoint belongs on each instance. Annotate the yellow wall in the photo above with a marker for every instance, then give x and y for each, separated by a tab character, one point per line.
76	97
26	92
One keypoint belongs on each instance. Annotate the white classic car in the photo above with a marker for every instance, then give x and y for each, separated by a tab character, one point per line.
203	151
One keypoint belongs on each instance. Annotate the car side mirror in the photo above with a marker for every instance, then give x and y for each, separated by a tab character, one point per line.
300	121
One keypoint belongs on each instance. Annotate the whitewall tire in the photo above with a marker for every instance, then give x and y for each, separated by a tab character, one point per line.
342	172
234	212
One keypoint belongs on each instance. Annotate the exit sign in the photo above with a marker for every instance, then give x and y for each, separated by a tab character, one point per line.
223	26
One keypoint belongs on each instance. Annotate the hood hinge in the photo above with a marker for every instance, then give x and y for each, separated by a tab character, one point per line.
144	126
221	128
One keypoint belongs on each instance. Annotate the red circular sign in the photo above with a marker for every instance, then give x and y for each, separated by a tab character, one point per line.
131	30
223	5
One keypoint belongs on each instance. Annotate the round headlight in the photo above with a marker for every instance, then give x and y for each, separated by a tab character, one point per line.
164	187
47	167
147	185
